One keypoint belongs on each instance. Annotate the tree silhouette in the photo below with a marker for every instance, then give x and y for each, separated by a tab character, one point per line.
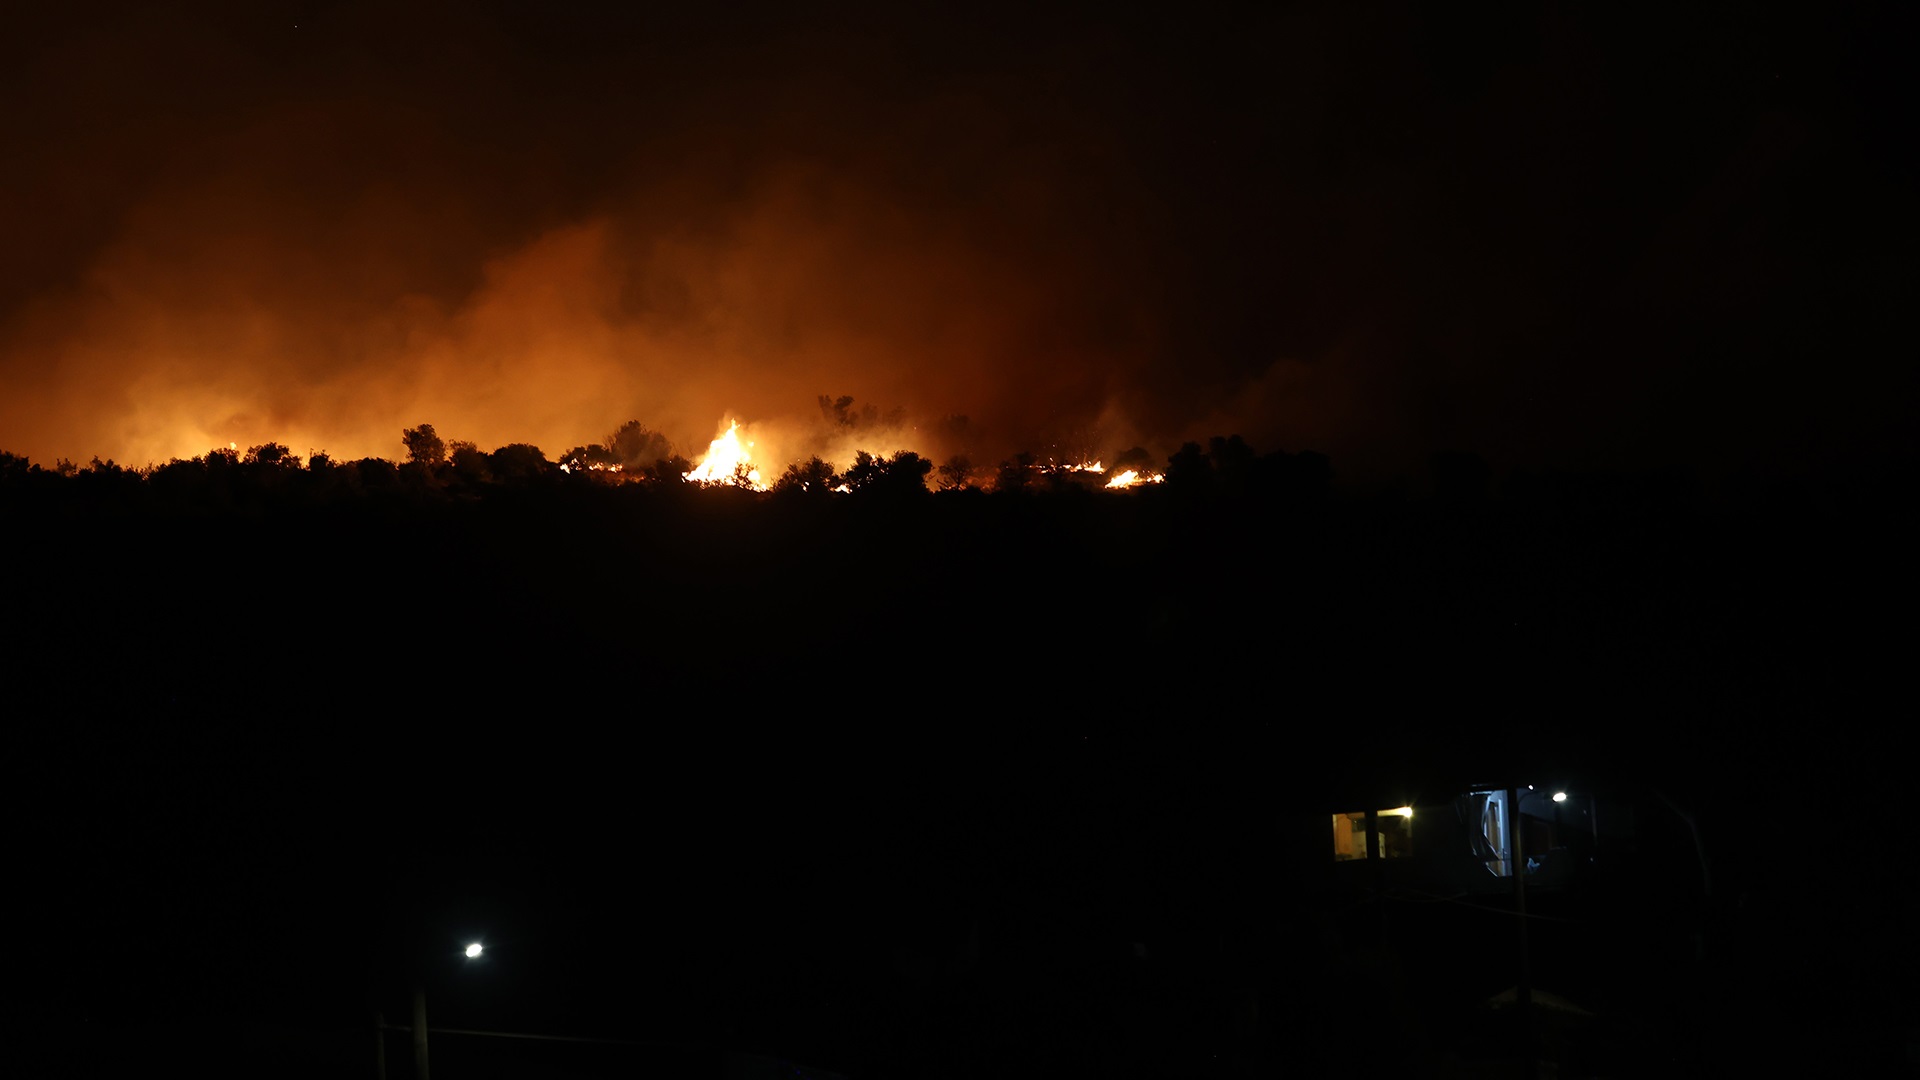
1233	462
632	446
110	481
902	474
590	458
1016	474
1189	469
376	473
519	463
955	473
1306	476
469	463
907	473
813	477
272	454
669	471
865	472
839	412
424	446
835	409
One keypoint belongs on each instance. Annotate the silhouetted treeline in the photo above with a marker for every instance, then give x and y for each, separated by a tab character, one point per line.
633	457
1242	574
1238	565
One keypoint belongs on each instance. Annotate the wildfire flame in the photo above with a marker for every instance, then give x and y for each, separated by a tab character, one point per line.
726	461
729	460
1132	477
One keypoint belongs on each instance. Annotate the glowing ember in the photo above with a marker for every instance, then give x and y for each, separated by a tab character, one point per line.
728	462
1054	466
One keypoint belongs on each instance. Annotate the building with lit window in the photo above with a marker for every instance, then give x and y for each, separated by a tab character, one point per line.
1474	837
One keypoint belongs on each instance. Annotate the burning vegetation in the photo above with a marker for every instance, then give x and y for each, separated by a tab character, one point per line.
848	450
728	461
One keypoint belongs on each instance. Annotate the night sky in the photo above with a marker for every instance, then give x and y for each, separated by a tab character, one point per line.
271	775
1550	235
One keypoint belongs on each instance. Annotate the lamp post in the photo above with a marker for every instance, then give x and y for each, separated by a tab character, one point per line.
703	1055
472	952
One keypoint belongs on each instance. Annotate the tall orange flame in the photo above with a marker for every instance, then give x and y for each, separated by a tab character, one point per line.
727	461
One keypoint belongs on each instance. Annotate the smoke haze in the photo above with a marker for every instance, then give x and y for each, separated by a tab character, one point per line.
317	224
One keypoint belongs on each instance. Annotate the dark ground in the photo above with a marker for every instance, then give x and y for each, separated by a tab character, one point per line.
893	788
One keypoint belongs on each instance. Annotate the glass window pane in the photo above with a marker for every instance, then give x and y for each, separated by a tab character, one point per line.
1350	836
1488	811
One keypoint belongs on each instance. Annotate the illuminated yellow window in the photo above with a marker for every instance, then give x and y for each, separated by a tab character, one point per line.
1349	836
1392	833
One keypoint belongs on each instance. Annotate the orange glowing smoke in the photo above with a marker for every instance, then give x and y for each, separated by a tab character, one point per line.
728	462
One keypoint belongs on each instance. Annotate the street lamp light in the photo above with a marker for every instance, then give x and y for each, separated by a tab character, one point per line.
472	952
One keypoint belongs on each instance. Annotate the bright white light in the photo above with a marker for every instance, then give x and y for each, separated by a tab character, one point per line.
473	950
1404	811
1559	796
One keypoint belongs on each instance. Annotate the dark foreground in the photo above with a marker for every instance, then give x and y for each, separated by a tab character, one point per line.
939	785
